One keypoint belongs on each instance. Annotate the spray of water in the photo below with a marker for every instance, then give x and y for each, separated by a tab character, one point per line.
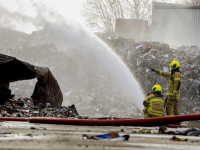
74	35
92	71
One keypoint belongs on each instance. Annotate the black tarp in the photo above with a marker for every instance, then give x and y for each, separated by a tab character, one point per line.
46	89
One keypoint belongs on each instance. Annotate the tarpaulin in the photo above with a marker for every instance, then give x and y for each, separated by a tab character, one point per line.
46	89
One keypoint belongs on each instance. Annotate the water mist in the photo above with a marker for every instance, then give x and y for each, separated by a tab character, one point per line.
74	35
89	73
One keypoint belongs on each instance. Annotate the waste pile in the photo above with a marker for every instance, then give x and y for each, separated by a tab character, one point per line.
141	56
81	81
77	76
28	109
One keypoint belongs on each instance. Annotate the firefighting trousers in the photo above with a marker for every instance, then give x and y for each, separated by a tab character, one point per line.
172	107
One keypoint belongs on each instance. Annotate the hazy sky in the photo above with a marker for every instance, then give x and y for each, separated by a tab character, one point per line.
70	9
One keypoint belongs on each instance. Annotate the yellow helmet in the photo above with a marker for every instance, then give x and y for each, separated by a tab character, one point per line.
174	64
156	88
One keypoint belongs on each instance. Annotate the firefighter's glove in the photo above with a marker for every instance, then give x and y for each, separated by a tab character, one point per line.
152	69
145	103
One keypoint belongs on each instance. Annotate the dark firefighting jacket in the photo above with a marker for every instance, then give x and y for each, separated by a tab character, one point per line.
174	83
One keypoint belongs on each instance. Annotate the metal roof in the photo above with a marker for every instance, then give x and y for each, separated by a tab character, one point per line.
161	5
5	58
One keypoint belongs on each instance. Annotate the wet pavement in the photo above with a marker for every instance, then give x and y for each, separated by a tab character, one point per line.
23	135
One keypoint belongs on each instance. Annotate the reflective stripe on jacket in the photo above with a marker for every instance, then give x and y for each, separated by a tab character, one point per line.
155	105
174	83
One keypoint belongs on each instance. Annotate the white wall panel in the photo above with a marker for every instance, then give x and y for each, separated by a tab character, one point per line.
176	26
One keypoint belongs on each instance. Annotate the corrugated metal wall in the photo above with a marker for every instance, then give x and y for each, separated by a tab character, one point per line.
176	26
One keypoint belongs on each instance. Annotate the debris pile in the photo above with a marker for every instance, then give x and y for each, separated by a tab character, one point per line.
28	109
82	83
140	56
77	76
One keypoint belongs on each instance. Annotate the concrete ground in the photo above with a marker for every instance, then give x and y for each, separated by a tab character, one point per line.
29	136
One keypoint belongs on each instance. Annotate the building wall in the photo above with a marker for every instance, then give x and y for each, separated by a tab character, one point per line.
134	27
177	26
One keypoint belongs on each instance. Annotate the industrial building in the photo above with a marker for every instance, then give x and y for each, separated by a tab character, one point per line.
176	24
132	27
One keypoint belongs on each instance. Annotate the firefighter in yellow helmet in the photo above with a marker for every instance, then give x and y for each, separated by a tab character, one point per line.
154	103
173	94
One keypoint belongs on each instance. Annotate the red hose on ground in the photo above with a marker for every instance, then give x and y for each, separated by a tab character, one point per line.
52	120
156	121
13	119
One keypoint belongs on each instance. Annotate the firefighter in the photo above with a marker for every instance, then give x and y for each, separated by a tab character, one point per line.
173	94
154	103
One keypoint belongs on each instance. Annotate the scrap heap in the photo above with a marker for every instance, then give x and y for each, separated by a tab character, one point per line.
71	68
25	108
82	83
141	56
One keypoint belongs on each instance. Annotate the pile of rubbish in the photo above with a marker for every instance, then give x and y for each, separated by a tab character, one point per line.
81	80
25	108
141	56
85	85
